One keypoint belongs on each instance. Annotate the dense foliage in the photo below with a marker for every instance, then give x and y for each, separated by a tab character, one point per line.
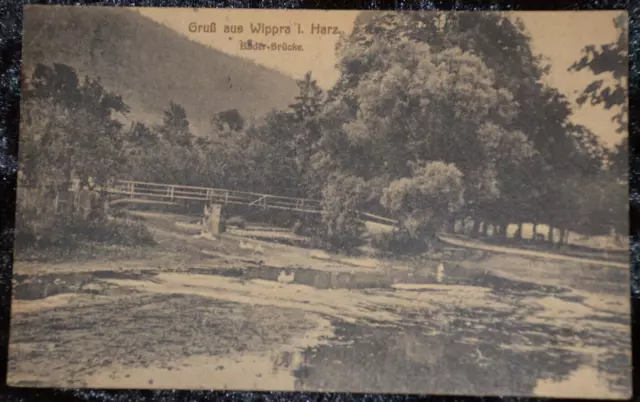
436	118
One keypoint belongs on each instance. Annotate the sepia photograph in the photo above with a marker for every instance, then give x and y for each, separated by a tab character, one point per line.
419	202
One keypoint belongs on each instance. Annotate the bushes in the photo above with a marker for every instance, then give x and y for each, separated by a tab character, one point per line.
426	199
307	225
237	221
398	242
124	232
346	240
70	231
298	228
341	197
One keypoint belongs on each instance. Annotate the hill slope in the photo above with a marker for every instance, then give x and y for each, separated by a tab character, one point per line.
150	64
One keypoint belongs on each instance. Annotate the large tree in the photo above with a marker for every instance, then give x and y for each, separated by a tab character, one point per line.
465	89
612	60
426	86
609	64
281	147
228	122
175	126
304	112
69	128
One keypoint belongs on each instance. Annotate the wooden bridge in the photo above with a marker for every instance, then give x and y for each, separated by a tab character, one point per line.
170	193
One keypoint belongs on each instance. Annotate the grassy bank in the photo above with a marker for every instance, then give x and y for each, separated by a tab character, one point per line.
74	236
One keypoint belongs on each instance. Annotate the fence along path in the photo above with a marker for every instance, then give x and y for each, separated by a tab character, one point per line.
170	192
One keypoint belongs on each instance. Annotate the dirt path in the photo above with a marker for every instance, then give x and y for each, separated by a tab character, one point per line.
527	253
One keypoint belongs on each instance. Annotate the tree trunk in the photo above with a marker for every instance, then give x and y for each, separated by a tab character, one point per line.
485	228
535	230
562	236
518	234
566	236
452	225
465	227
550	234
476	227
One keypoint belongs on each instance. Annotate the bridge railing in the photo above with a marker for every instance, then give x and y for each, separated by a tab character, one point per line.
222	196
172	192
376	218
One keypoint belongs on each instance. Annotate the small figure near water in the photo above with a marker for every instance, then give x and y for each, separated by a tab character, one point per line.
440	273
249	246
286	278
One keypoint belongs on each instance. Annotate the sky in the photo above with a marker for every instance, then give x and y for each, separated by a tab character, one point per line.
558	36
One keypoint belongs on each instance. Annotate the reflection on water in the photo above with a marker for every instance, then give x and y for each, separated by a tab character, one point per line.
319	279
409	360
31	288
475	353
585	382
38	287
306	276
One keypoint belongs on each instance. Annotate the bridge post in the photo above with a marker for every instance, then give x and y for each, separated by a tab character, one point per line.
213	219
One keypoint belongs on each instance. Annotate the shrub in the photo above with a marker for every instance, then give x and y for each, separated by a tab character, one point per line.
298	228
69	231
426	199
345	241
307	226
125	232
317	241
237	221
398	242
341	197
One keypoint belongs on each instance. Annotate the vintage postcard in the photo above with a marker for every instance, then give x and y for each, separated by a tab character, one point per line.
371	202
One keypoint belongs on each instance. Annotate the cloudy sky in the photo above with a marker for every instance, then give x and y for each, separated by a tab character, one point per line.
558	36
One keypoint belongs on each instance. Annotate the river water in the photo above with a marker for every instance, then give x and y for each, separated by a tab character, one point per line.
477	351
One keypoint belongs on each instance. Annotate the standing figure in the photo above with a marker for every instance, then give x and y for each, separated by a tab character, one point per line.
440	273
